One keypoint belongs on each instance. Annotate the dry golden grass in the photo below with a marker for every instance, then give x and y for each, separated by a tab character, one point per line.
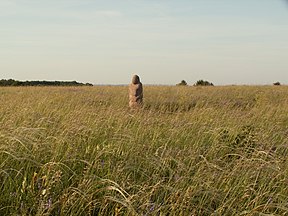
189	151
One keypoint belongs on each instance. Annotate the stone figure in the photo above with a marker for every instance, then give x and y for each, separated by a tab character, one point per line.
135	93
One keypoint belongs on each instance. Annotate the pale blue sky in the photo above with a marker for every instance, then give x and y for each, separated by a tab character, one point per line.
163	41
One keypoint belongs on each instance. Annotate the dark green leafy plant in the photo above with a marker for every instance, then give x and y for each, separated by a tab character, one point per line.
203	83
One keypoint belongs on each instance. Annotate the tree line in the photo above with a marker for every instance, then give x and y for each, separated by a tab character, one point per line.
198	83
12	82
206	83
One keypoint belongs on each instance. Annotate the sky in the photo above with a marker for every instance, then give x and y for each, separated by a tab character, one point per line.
163	41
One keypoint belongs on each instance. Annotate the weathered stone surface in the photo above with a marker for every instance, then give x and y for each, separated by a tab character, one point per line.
135	92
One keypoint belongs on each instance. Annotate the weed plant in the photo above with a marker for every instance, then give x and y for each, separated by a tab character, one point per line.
188	151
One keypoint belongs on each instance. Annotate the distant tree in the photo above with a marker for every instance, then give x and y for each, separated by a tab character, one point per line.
182	83
277	83
9	82
203	83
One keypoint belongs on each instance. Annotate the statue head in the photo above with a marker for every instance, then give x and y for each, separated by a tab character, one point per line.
135	79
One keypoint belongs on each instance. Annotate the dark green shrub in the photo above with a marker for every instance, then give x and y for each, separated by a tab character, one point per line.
203	83
182	83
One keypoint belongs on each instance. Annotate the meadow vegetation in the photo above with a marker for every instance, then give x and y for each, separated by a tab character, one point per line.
188	151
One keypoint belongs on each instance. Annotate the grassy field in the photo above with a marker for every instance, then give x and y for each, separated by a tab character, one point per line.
189	151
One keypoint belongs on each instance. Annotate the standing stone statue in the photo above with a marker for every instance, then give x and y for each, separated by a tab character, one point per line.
135	92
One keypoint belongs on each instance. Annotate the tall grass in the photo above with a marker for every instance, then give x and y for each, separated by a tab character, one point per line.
189	151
